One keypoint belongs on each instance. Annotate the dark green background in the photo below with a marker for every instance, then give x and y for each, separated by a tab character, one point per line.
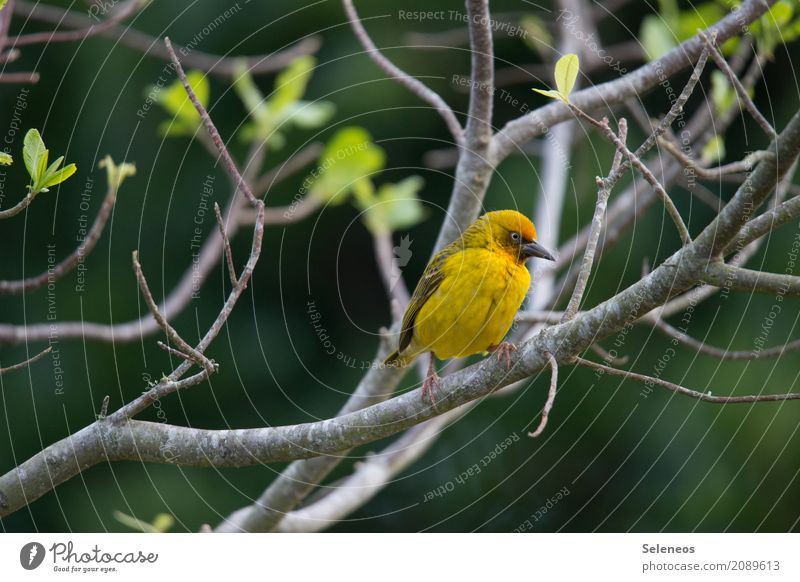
630	462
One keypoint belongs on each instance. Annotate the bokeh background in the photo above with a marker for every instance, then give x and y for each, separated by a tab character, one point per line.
621	458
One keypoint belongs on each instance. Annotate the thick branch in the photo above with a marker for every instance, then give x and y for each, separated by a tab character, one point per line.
474	170
729	277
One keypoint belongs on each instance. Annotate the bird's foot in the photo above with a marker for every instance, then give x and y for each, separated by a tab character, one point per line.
504	351
430	383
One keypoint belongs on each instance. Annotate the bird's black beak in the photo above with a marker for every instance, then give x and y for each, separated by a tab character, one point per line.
534	249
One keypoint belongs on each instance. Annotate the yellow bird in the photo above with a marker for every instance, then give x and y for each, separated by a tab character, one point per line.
471	290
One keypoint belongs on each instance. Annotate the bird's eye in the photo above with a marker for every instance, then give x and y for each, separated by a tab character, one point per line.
515	236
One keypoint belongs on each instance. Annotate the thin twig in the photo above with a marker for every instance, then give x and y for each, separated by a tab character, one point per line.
73	259
704	396
769	221
172	334
292	165
720	353
637	163
174	352
737	84
5	23
603	192
104	407
735	170
27	362
130	7
227	160
608	357
675	110
18	207
224	66
412	84
551	397
227	244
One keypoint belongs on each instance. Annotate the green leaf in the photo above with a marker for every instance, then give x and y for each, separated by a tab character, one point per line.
311	115
32	152
58	176
115	173
656	37
722	94
248	91
566	73
552	94
284	107
699	17
3	4
176	102
714	150
163	522
536	35
53	167
6	159
291	83
133	523
348	157
396	206
775	27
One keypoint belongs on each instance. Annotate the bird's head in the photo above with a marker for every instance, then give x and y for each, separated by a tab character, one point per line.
513	233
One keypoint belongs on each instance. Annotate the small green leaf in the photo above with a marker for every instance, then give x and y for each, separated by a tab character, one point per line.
348	157
163	522
53	167
284	107
552	94
656	37
722	94
175	101
291	83
311	115
6	159
395	207
248	91
58	176
32	152
133	523
566	73
714	150
116	174
536	35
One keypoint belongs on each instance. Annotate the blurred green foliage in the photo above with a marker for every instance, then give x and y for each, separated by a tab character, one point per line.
631	460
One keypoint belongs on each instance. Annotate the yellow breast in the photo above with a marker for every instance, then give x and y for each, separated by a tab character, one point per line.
474	307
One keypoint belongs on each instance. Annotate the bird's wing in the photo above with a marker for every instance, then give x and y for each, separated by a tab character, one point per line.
427	286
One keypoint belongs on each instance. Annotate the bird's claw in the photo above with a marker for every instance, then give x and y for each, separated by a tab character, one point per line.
504	351
430	383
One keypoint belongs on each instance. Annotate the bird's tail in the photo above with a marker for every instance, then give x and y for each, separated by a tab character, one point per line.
396	360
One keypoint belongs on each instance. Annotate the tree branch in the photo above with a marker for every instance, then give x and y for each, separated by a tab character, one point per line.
515	133
474	170
72	260
704	396
412	84
27	362
152	46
